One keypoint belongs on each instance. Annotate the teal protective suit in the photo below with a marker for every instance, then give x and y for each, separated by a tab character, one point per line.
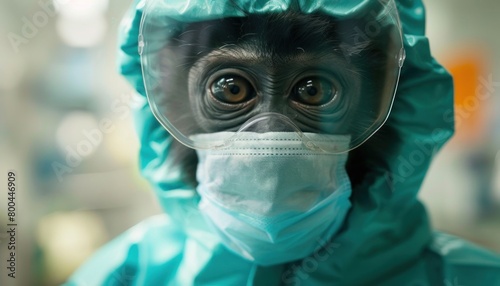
386	238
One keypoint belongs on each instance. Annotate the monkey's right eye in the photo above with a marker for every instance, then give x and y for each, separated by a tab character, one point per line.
232	89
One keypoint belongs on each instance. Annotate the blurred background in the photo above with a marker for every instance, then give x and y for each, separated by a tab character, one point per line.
66	129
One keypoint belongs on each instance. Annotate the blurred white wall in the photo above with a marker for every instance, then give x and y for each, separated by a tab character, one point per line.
58	85
461	189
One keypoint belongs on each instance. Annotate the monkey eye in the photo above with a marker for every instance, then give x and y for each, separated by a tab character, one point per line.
313	91
232	89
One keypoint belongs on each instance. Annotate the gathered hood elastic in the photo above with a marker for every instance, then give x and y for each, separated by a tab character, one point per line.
387	229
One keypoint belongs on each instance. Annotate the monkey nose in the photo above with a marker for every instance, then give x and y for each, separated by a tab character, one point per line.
270	122
277	104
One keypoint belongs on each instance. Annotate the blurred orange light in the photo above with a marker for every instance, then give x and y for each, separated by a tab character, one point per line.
469	73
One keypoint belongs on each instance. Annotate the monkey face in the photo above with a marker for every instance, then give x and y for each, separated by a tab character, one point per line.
229	86
218	75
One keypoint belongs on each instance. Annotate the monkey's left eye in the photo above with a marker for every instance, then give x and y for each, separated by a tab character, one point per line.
232	89
314	91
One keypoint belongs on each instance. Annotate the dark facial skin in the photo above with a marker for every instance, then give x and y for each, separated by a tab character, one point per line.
218	74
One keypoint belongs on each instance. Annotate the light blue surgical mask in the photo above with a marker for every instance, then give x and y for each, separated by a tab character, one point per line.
269	198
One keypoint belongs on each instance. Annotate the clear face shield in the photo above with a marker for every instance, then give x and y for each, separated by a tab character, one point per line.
312	73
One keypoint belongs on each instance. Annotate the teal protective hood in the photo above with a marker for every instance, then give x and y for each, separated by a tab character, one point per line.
386	238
